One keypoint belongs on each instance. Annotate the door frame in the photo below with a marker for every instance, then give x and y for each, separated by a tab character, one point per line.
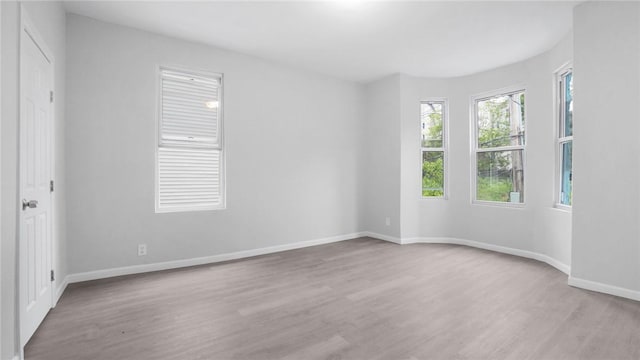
1	52
29	30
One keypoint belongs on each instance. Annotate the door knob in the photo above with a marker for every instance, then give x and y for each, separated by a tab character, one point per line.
29	204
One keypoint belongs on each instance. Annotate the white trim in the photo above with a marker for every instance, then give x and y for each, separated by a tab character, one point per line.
444	148
221	141
389	238
568	65
1	242
474	149
476	244
560	139
137	269
562	207
499	204
60	290
501	148
497	248
604	288
507	90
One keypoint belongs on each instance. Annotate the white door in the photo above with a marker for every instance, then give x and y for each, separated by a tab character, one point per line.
35	174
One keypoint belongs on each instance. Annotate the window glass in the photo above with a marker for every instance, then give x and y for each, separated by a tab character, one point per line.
190	156
568	104
565	137
500	148
501	121
433	173
566	174
432	124
433	144
500	176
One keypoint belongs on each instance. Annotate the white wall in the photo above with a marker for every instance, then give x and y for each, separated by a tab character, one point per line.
606	212
292	146
428	217
598	239
9	152
49	18
382	159
309	156
394	161
1	242
552	227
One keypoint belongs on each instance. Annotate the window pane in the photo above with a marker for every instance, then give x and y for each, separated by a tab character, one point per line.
431	117
189	178
568	104
500	176
190	157
432	173
501	121
567	176
190	110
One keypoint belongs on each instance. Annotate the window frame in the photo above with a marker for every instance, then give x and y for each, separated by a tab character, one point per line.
159	142
559	107
444	149
473	113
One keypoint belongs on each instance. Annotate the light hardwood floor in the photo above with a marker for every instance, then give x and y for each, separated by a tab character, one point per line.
357	299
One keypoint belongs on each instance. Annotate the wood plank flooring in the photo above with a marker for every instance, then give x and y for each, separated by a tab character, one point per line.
357	299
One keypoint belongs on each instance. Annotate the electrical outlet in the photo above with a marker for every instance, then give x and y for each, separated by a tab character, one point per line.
387	221
142	249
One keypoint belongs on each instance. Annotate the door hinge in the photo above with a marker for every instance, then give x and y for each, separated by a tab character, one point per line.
51	96
51	186
53	275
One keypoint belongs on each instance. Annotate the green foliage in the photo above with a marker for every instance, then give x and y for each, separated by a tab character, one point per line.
494	124
433	173
500	172
494	121
432	161
496	189
494	164
432	132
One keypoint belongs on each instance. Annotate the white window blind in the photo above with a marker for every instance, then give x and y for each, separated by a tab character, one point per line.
190	154
190	109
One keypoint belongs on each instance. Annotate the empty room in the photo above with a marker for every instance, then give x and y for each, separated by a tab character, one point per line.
297	180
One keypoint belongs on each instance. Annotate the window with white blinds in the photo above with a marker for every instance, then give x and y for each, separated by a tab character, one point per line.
190	158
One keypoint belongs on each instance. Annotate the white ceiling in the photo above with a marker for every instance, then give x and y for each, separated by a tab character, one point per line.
356	40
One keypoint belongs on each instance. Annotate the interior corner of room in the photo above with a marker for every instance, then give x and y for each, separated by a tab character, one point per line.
304	158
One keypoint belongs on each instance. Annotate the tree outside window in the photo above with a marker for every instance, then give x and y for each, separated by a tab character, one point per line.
433	118
500	147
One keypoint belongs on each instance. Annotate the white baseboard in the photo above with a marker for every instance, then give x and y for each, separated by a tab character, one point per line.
389	238
137	269
555	263
60	290
501	249
604	288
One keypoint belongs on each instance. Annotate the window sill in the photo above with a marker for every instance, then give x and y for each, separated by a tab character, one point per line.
189	209
428	198
499	204
562	207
